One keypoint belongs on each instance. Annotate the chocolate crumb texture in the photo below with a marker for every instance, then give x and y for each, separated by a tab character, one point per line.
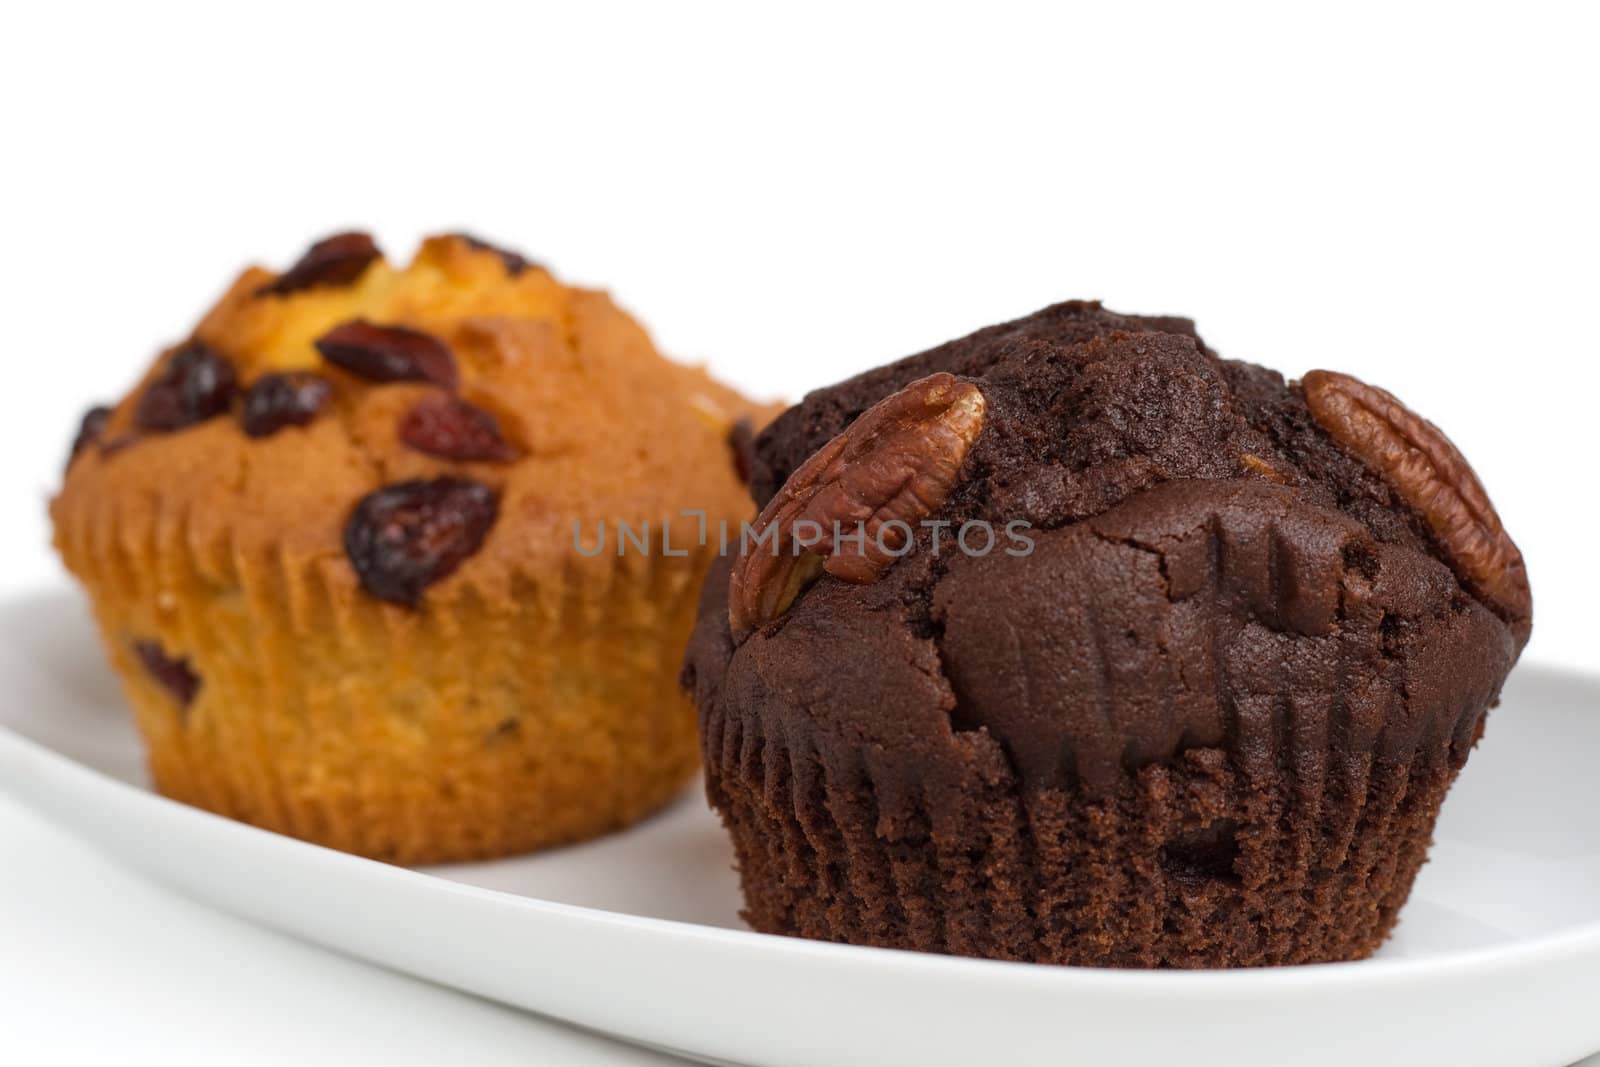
1206	720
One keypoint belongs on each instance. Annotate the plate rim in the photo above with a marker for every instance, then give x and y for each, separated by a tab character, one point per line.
21	761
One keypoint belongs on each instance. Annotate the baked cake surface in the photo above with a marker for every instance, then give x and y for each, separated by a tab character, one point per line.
1206	719
329	541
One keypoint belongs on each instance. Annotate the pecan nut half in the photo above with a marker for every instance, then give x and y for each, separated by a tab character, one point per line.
896	464
1430	474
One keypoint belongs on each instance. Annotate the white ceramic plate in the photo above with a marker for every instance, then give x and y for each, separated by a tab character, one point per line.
1496	962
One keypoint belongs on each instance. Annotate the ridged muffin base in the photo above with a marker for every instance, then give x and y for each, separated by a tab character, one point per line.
1199	862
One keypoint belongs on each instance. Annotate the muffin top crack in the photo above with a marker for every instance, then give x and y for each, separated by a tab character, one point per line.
302	394
1198	541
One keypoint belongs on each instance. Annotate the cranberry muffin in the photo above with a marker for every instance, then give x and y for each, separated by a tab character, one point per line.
330	544
1187	693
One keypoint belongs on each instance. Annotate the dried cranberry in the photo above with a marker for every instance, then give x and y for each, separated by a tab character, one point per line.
290	399
742	443
454	429
112	445
89	430
388	353
336	260
198	384
172	673
515	262
404	537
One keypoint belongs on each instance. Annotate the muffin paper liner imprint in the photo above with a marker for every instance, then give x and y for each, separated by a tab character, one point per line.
488	722
1204	861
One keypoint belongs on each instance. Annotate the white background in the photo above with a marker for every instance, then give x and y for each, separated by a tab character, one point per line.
790	194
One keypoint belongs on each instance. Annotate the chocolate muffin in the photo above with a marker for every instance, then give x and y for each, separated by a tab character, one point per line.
1121	654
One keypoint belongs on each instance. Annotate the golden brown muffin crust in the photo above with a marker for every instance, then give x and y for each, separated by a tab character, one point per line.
526	698
608	430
